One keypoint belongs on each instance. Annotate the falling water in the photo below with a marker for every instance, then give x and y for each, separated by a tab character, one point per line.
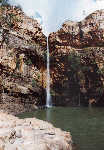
48	100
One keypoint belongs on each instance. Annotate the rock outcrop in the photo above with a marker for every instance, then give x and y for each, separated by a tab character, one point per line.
30	134
77	61
22	61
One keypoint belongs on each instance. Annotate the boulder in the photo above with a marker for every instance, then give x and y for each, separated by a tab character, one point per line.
30	134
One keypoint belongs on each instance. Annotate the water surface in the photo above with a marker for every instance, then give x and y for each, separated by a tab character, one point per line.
85	124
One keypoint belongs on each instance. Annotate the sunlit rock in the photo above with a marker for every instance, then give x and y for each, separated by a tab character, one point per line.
28	134
22	55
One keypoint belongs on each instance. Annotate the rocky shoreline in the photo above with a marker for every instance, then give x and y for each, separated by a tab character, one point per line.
31	134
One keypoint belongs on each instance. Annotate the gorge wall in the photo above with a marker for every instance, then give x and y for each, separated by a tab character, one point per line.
22	61
77	61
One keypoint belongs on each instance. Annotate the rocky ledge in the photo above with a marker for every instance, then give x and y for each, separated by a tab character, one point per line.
31	134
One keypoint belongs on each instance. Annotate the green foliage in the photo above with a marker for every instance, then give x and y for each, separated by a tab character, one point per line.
14	75
74	62
85	68
101	71
34	83
52	92
76	73
17	64
38	76
28	62
100	90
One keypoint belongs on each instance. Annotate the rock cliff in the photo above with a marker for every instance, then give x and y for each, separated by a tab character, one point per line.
22	61
77	61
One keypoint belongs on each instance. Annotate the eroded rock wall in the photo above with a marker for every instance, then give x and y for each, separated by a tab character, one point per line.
22	61
77	61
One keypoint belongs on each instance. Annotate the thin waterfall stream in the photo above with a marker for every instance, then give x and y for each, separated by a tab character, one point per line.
48	99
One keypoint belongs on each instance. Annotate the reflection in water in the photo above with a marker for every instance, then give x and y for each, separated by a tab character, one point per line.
48	114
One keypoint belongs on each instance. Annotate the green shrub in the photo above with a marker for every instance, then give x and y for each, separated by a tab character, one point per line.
17	64
101	71
34	82
100	90
53	92
74	62
38	76
28	62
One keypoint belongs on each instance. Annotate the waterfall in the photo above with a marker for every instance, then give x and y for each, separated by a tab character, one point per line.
48	100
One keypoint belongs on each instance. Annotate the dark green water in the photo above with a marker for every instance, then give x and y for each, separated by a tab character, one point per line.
85	124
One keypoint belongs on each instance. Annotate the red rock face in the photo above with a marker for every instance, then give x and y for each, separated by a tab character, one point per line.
89	32
22	61
13	18
77	51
